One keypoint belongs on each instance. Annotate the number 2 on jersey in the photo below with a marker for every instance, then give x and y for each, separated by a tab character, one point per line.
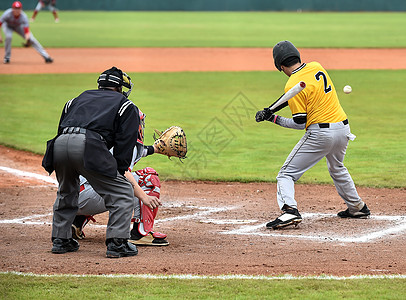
327	89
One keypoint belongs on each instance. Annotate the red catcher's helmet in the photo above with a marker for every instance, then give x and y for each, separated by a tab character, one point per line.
17	4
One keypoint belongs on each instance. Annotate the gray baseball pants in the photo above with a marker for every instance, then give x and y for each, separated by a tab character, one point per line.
91	203
8	33
117	193
317	143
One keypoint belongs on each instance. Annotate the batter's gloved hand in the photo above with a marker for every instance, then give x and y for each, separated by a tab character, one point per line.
262	115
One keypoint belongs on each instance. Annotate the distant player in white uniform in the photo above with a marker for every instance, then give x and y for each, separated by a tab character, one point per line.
15	20
146	184
46	3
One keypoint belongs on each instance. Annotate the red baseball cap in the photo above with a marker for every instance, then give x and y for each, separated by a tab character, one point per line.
17	4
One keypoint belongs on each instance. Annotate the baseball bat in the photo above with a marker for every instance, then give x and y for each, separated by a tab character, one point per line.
289	94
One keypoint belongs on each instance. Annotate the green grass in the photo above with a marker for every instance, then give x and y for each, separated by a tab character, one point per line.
14	286
215	29
217	113
202	103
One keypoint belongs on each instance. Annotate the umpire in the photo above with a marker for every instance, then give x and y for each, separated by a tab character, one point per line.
90	125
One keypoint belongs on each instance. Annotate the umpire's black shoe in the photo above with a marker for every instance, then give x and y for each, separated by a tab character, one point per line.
288	217
362	214
119	248
64	245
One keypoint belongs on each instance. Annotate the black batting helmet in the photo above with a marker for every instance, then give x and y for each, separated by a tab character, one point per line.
114	77
282	51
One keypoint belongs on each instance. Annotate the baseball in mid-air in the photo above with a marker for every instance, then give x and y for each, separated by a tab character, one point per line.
347	89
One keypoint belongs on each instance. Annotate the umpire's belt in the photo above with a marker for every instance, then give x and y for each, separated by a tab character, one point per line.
327	125
70	130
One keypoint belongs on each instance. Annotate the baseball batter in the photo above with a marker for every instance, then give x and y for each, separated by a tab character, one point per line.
15	20
318	110
46	3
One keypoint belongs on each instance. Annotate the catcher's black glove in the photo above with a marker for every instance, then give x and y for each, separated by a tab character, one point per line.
265	114
27	43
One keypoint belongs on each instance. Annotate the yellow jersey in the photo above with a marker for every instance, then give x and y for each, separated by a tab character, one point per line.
318	101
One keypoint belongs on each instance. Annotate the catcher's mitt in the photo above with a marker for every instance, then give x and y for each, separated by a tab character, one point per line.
171	142
27	43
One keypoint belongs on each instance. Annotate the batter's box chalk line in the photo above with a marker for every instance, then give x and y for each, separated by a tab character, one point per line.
227	221
24	174
397	225
30	220
200	214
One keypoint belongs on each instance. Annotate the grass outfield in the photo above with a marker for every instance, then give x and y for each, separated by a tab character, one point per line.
219	29
216	110
30	106
14	286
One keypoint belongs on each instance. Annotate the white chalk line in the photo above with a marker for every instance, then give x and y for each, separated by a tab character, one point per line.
243	230
204	211
363	238
252	230
198	215
216	277
19	173
28	220
227	221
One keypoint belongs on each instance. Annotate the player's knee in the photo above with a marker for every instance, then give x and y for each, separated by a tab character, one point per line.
283	176
149	181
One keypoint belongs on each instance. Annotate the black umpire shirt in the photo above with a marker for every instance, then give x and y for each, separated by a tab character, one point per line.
111	120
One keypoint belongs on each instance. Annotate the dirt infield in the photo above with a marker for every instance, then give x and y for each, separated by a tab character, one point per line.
213	228
27	61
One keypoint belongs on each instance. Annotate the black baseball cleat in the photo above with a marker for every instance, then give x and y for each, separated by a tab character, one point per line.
61	246
119	248
6	60
49	60
362	214
288	217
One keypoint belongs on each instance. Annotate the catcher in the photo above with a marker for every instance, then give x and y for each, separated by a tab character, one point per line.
146	184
